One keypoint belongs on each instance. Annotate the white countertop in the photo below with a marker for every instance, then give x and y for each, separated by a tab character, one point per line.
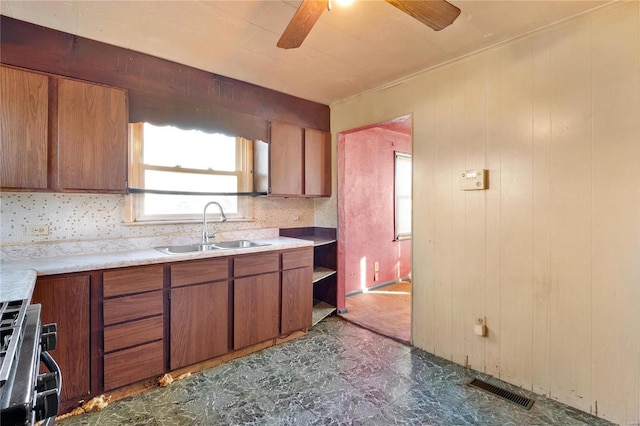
16	285
17	278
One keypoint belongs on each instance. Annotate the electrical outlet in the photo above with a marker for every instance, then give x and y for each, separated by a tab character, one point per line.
376	266
480	328
37	230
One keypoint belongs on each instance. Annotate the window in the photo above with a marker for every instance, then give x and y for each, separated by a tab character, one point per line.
173	173
403	195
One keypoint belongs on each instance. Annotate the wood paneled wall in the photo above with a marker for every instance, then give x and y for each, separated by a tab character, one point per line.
550	253
160	91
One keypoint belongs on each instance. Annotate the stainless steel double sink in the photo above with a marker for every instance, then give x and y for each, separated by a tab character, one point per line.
196	248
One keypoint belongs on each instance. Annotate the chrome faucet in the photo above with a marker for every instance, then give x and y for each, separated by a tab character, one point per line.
205	233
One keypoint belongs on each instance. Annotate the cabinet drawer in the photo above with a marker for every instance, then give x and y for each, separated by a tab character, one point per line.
133	333
199	272
134	364
132	280
128	308
256	264
297	258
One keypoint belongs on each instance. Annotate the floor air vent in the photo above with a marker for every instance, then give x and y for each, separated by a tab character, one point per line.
514	398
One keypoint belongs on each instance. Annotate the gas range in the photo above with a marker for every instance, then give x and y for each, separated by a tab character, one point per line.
26	396
12	316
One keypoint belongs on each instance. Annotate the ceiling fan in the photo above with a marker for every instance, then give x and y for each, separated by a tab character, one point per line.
437	14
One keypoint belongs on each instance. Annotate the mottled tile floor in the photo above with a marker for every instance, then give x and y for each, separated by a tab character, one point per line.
339	374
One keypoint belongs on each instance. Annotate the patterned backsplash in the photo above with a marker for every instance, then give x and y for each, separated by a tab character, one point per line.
83	217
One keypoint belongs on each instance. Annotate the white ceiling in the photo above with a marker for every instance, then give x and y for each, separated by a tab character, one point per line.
349	51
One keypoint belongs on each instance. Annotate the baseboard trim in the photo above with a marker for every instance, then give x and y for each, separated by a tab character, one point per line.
377	286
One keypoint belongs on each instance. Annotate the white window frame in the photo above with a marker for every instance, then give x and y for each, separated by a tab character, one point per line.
401	234
134	202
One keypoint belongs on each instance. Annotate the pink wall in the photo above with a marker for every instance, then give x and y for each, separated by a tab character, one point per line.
366	208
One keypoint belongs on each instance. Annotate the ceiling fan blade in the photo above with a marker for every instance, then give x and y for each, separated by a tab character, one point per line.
301	23
437	14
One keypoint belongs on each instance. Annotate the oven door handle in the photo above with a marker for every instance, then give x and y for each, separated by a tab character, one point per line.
47	402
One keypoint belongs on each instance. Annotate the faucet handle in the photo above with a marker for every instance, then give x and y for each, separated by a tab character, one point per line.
210	235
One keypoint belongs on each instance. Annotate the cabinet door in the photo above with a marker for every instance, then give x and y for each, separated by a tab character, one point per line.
199	323
317	163
23	129
286	160
256	306
92	137
65	301
297	299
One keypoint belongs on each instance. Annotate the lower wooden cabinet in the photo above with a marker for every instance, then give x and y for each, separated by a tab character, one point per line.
297	290
200	323
256	309
133	318
112	324
297	299
66	301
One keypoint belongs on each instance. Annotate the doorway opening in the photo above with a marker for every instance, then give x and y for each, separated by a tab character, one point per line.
374	226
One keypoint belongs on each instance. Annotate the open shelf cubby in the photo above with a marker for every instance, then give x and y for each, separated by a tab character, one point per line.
325	250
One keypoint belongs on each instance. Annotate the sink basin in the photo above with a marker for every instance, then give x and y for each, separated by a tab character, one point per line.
189	248
237	244
196	248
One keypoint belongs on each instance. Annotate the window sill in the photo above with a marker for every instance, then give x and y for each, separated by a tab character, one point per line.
402	238
180	222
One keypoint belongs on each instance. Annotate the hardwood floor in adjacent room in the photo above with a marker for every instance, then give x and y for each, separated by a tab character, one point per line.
385	310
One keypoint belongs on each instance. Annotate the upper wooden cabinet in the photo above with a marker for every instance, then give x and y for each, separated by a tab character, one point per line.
317	163
92	137
286	160
59	134
23	129
299	162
